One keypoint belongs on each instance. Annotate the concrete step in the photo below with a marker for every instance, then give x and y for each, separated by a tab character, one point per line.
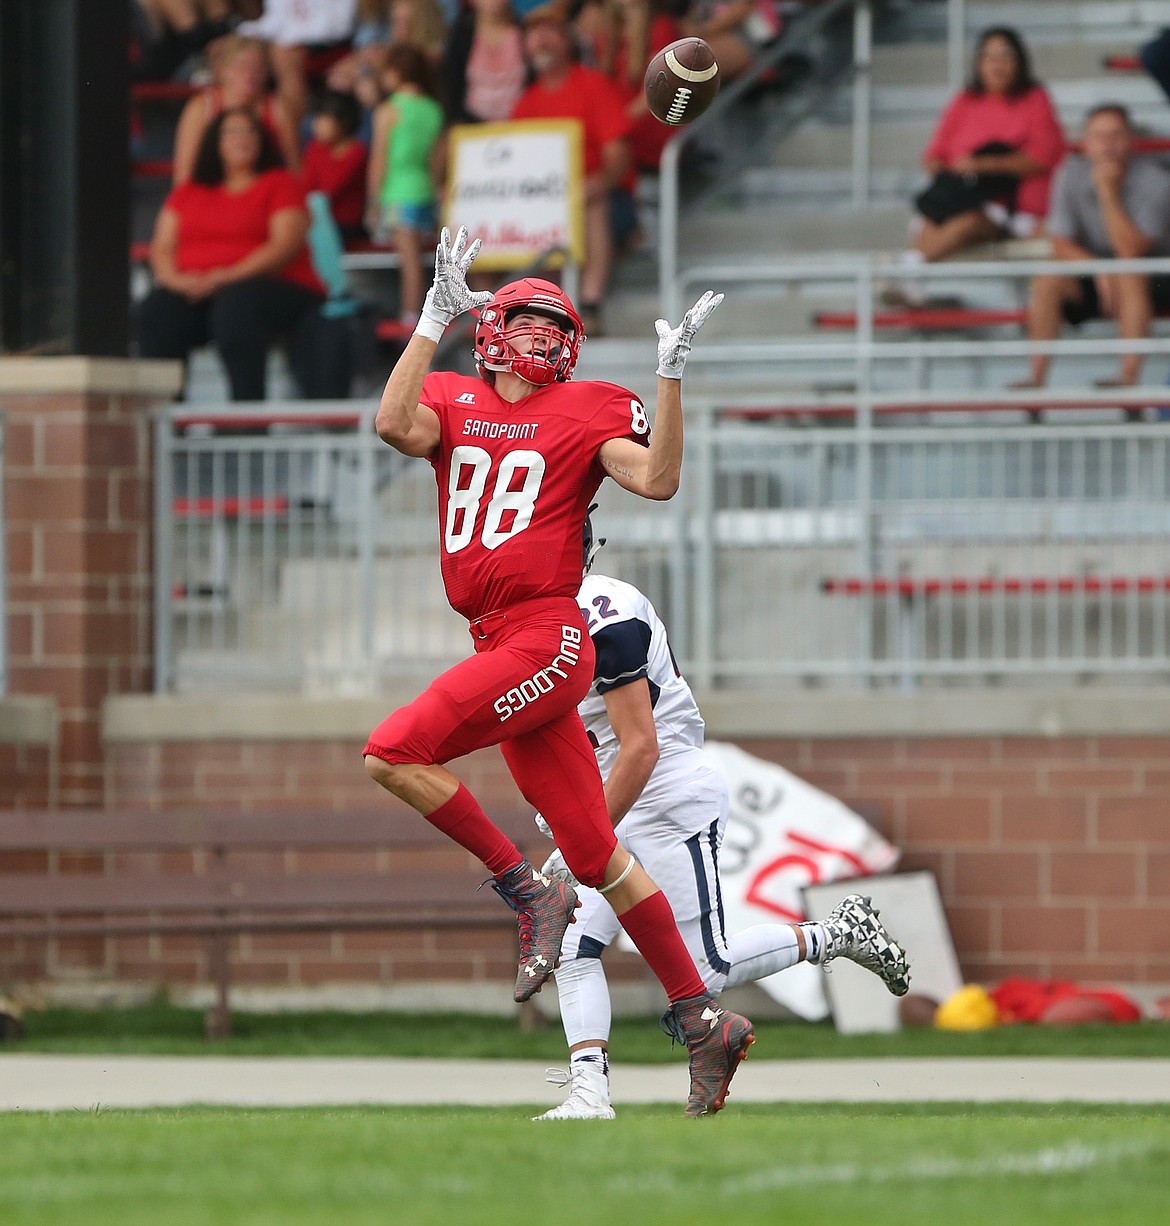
1072	99
711	235
1056	20
821	143
926	63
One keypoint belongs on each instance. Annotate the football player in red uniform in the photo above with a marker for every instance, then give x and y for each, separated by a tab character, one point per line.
518	454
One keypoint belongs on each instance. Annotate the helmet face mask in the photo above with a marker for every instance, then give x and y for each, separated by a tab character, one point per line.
553	340
589	543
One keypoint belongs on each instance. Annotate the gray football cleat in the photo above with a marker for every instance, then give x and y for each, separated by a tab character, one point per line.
544	908
716	1041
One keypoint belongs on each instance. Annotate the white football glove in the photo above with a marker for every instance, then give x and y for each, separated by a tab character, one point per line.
449	295
555	866
675	343
543	826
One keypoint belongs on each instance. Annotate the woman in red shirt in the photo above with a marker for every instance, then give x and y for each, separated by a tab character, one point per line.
241	70
1003	105
229	257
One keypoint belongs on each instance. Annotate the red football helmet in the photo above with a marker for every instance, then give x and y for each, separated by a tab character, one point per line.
560	340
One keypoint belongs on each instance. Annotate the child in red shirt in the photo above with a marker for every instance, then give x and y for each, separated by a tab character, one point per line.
335	161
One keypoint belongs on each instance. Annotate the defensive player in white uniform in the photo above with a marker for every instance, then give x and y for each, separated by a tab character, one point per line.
670	806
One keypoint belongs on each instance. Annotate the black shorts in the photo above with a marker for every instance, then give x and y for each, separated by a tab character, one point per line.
1087	305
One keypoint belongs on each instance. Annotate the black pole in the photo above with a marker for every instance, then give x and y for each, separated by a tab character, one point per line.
64	176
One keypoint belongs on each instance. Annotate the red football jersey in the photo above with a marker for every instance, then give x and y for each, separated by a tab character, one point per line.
515	482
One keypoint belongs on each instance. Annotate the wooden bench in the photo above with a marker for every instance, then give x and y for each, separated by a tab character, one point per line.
92	873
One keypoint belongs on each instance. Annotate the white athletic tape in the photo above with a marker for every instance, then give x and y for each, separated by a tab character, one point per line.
613	885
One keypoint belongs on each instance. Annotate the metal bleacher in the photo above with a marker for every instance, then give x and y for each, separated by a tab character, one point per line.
864	503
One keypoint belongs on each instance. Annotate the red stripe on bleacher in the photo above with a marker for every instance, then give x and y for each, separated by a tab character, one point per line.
393	330
261	421
1122	63
849	409
1060	585
159	168
924	317
228	508
1141	144
162	91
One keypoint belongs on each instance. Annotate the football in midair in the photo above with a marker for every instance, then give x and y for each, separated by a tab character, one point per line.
682	81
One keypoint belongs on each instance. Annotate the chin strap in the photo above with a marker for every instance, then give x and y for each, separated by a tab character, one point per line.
613	885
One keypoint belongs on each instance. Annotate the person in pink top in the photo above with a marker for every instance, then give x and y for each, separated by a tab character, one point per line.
991	157
562	88
485	66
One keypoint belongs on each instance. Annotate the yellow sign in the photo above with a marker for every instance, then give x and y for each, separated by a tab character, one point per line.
519	188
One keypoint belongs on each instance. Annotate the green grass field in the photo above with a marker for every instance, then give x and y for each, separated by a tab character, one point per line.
164	1029
896	1165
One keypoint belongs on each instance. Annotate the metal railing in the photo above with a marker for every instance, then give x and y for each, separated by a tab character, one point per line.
306	558
860	77
867	345
794	36
941	553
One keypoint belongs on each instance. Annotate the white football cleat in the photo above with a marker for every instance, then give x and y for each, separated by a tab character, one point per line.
589	1097
854	931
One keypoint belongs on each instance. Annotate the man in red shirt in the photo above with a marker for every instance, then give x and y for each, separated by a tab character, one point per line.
518	454
564	89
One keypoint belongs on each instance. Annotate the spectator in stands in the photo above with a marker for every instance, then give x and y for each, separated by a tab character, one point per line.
240	71
624	36
170	32
1155	59
564	89
229	256
484	61
991	157
382	24
405	165
737	30
291	28
335	161
418	23
1106	204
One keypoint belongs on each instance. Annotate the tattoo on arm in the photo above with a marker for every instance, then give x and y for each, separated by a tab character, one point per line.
617	469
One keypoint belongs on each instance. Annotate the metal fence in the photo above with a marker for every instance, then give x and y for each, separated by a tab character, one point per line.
304	556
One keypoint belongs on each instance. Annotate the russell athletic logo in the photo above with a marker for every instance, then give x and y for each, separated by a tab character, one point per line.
544	681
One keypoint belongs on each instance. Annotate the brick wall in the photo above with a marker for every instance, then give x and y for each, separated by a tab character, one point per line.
1052	854
28	752
78	516
26	772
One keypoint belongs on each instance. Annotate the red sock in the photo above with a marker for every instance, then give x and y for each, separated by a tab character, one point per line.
463	820
650	925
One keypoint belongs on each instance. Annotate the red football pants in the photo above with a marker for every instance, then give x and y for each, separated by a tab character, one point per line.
533	665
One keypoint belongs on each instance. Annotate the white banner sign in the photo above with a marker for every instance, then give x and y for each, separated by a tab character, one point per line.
782	834
518	188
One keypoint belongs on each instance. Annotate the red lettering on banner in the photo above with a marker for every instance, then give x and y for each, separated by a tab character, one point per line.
806	869
863	869
756	897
